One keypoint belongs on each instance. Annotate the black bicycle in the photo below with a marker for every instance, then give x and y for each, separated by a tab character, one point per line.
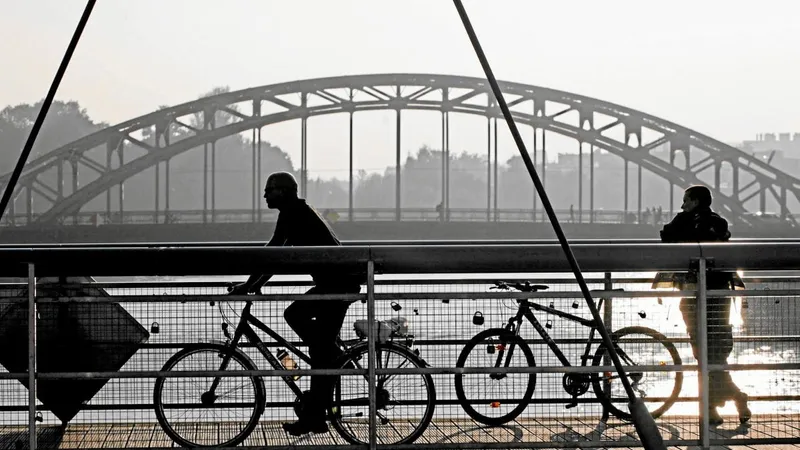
210	410
497	398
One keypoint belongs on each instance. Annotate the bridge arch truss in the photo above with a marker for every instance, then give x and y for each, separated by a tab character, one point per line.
634	136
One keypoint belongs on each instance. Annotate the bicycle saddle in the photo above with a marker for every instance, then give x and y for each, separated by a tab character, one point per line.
522	287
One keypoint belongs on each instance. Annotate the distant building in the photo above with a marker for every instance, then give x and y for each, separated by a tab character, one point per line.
780	150
785	143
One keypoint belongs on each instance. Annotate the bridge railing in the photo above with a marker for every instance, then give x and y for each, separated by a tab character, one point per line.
440	290
333	215
91	218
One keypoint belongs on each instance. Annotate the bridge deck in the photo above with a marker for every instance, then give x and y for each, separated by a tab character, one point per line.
557	431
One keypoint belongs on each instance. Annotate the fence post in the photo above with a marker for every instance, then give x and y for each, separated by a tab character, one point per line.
702	346
608	286
31	357
608	321
371	337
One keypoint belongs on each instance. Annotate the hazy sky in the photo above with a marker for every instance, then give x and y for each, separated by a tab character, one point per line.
728	68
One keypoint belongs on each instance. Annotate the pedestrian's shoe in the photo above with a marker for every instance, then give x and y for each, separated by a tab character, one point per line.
302	427
741	406
714	418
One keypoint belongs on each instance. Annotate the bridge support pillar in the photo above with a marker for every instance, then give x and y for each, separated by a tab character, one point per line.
304	148
625	197
109	152
397	167
213	179
255	188
496	179
591	184
205	183
121	155
350	185
28	205
534	151
445	212
255	173
580	182
74	164
544	162
60	180
304	157
259	177
166	191
783	207
158	192
671	185
489	166
639	193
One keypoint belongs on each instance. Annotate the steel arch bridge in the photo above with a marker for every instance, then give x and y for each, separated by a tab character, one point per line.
601	124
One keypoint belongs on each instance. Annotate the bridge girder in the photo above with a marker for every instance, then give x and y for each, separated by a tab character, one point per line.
530	105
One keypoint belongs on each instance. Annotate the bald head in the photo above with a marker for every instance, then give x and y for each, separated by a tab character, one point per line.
281	188
282	180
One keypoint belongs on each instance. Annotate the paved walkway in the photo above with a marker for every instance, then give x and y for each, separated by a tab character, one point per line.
776	431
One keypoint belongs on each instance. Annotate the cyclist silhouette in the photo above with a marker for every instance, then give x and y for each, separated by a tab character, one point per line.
316	322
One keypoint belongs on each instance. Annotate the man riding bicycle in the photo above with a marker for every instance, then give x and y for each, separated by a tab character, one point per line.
316	322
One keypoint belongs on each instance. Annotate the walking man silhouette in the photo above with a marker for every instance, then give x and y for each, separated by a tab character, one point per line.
697	223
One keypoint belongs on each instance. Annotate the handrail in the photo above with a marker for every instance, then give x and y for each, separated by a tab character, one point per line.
348	243
378	214
527	258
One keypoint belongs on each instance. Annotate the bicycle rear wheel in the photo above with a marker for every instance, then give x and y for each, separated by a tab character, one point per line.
222	419
495	398
638	346
405	401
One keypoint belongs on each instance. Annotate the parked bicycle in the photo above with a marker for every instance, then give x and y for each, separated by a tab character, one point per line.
497	398
209	410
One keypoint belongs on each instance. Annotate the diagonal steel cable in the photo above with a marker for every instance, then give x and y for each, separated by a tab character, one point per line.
48	100
562	239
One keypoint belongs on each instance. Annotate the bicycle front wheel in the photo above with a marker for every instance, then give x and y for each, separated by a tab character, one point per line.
495	398
638	346
404	401
194	416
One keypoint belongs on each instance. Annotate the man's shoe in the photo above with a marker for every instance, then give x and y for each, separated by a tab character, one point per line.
714	418
741	406
302	427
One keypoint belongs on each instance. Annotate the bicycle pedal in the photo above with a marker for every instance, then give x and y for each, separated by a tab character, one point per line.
571	405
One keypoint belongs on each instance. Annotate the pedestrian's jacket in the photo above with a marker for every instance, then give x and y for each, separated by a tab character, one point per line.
700	225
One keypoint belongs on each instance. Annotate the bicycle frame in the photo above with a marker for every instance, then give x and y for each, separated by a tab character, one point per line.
525	310
245	328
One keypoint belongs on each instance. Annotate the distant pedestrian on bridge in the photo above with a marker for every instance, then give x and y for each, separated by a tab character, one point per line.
316	322
698	223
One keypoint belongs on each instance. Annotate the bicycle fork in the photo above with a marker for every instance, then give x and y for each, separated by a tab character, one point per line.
512	329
